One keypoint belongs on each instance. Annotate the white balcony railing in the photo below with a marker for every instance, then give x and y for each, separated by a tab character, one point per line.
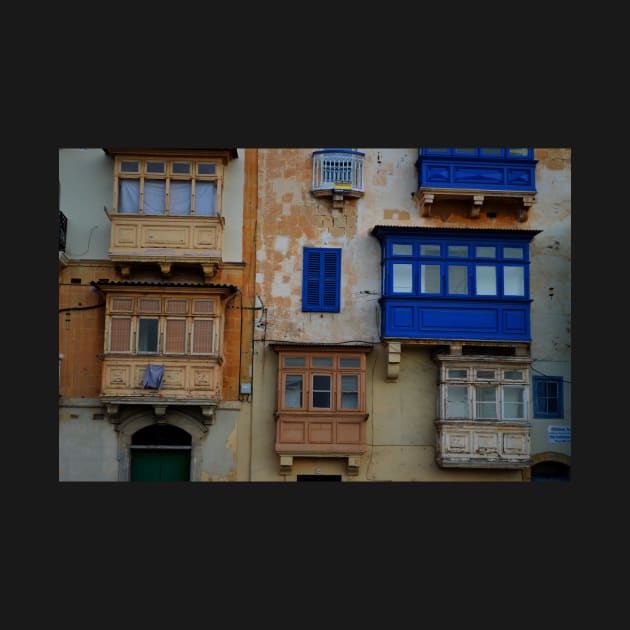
338	170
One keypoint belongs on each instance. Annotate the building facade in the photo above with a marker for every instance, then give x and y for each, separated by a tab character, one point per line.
315	314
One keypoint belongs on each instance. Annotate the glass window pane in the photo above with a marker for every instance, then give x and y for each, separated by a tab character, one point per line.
350	392
402	278
129	166
202	335
429	250
486	280
459	251
349	362
513	252
457	280
402	249
321	391
513	403
129	196
518	152
181	168
430	278
294	361
513	375
485	251
486	408
513	280
491	152
147	335
322	362
175	336
456	373
486	374
206	169
293	391
457	401
179	197
154	196
156	167
464	151
206	199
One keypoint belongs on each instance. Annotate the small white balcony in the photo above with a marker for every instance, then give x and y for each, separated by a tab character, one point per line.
337	173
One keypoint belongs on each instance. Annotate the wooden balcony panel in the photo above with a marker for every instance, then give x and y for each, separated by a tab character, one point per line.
184	379
467	444
144	238
324	435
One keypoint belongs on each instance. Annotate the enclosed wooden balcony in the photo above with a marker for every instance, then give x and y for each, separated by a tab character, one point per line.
468	444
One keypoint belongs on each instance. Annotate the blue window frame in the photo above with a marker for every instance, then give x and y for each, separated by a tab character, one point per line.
321	279
548	397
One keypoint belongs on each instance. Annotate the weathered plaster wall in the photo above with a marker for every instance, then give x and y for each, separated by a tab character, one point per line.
400	427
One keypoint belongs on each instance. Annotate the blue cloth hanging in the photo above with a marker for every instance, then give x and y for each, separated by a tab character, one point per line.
153	377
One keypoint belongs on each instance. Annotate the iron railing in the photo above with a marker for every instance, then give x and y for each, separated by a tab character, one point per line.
63	226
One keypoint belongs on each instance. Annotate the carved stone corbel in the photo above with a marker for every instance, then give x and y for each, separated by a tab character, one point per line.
476	206
426	203
209	270
393	361
286	464
352	469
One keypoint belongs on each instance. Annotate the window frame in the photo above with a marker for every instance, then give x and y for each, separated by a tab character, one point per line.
319	279
142	175
537	411
309	370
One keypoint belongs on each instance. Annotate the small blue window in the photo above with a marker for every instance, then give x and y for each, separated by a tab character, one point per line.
548	397
321	279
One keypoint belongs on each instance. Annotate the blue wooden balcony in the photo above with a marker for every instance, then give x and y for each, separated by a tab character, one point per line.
476	173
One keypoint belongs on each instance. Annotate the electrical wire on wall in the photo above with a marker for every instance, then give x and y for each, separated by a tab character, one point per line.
72	255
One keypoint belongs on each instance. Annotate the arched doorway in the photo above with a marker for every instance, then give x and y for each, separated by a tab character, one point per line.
160	452
550	471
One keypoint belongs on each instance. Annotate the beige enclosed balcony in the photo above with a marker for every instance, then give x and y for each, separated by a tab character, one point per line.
167	209
163	345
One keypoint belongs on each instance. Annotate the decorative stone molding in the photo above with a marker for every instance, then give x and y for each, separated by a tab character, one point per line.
394	351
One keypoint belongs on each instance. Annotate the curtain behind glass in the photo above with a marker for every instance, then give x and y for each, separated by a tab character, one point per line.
206	198
180	197
154	196
129	196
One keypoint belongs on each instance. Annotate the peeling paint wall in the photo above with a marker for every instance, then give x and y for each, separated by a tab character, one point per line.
400	432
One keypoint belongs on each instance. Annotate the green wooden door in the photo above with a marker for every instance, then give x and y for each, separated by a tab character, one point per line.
160	465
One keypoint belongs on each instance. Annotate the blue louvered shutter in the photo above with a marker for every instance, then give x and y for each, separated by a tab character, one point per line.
321	279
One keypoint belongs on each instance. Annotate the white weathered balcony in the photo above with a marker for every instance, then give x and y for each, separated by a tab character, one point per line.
337	173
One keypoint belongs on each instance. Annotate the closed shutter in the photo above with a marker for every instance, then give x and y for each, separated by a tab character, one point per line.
202	336
176	335
321	279
120	335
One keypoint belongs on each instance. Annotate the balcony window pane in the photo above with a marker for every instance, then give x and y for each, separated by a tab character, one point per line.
350	392
459	251
457	280
518	152
206	169
402	278
180	197
157	168
154	196
513	403
513	375
402	249
349	362
486	403
429	250
430	278
457	401
322	362
465	151
491	152
486	280
513	280
129	166
181	168
293	391
483	251
485	374
129	196
120	334
321	391
202	335
206	198
175	336
457	373
147	335
294	361
513	252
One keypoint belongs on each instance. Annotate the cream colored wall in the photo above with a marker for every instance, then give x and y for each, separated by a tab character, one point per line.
233	183
86	187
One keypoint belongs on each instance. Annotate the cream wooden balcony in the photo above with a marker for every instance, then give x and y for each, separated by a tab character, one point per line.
185	382
482	444
166	241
